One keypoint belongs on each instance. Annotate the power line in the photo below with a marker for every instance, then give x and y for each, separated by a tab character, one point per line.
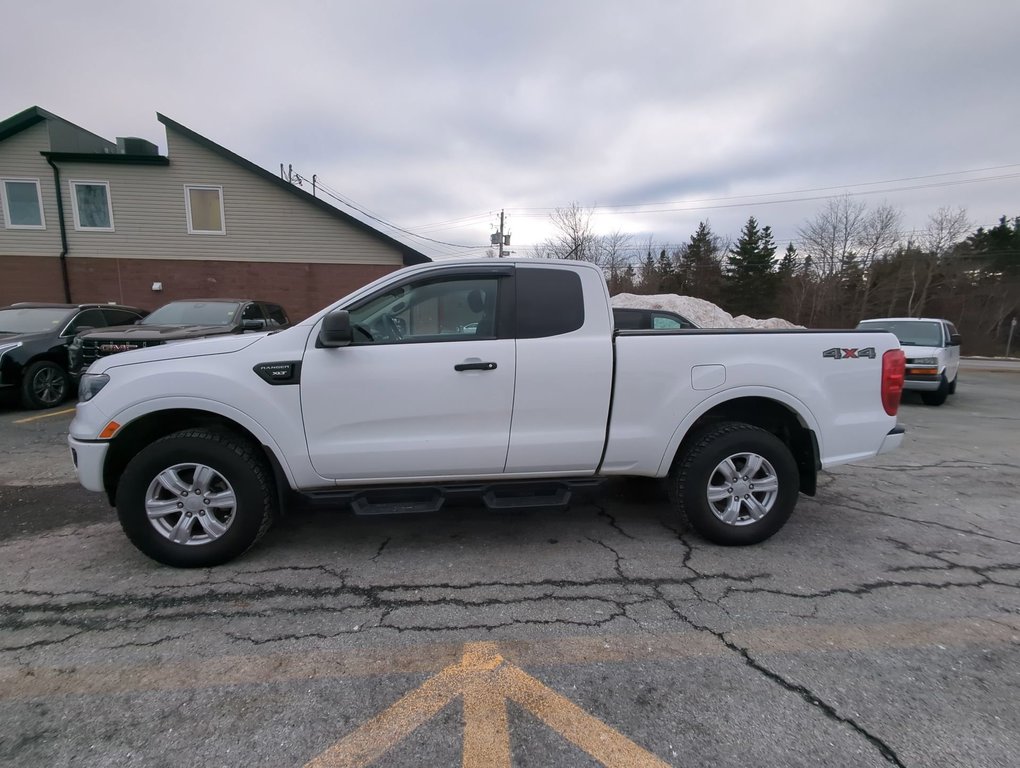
798	191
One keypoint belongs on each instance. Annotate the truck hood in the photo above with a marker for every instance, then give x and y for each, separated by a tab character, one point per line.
157	332
24	338
913	352
216	345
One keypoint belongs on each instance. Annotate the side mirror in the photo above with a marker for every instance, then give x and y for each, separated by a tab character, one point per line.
253	325
336	329
954	340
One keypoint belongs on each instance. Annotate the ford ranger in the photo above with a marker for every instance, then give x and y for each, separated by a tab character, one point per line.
503	381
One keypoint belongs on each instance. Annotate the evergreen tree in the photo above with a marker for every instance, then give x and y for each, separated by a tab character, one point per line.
629	279
699	272
649	279
751	273
666	272
788	264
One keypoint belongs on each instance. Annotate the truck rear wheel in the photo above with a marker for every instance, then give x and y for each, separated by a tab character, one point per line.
737	484
196	498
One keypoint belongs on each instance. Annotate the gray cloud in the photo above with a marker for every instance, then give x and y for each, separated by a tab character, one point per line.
428	112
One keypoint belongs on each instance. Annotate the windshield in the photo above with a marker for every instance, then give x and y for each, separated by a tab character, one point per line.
911	333
194	313
33	319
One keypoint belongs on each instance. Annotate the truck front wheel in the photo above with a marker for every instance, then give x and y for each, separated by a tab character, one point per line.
196	498
737	484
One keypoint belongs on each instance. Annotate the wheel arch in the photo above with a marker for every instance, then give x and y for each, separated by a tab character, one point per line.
148	427
792	424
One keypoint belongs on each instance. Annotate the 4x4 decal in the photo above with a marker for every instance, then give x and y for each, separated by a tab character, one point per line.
841	353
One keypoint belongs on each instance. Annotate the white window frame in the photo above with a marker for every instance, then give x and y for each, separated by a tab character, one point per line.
187	204
7	207
71	184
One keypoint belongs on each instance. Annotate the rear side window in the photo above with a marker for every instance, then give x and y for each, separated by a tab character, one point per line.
276	314
252	312
549	302
120	316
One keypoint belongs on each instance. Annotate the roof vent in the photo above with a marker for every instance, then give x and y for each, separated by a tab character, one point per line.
130	145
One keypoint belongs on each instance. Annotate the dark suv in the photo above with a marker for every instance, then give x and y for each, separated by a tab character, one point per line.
34	340
178	321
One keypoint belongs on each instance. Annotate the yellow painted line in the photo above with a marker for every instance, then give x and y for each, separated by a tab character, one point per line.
47	415
384	731
609	747
485	681
20	682
486	730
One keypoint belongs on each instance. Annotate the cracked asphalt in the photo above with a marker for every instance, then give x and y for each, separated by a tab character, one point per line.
880	627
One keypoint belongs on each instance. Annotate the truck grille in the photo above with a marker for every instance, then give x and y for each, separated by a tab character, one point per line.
93	349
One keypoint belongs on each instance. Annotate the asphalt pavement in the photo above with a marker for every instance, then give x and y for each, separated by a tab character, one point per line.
881	626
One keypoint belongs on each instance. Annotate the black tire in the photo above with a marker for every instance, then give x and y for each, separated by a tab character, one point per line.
44	384
243	471
952	385
696	469
939	395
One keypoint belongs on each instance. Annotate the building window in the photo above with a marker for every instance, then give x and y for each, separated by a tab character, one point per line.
90	201
22	203
205	210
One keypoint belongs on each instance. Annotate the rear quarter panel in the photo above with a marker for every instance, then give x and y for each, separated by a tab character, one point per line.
656	400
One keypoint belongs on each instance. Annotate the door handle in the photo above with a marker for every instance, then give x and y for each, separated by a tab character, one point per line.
474	367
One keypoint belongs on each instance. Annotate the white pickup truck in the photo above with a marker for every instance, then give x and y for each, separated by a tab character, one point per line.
501	380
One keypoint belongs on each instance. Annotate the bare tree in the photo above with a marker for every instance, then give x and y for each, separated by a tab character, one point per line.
832	236
879	234
574	238
946	228
614	256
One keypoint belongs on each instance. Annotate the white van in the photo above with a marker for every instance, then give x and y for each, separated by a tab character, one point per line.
932	347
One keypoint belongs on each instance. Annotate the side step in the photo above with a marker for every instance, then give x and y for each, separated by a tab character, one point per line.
417	499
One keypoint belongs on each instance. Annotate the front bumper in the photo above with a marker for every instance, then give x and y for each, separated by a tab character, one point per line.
922	383
88	457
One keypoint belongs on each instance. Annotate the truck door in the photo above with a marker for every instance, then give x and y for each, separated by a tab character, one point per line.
426	389
564	370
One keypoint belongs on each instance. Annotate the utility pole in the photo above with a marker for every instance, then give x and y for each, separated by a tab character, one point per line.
501	233
498	238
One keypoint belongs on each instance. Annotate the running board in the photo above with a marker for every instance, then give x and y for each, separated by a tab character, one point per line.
418	499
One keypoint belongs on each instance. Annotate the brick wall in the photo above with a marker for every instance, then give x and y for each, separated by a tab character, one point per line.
301	288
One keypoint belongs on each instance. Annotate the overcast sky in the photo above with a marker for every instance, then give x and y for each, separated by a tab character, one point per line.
430	112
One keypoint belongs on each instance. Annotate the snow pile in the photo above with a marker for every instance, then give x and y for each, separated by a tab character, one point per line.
702	313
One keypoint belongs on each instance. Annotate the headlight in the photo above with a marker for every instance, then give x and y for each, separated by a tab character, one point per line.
925	361
4	348
90	385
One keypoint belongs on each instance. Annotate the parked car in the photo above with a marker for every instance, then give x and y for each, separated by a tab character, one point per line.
198	445
932	347
636	319
178	321
34	340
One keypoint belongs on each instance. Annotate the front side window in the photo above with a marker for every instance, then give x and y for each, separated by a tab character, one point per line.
436	310
120	316
91	203
89	318
205	210
661	322
22	203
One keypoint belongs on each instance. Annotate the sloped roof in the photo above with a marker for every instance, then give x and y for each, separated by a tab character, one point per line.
28	117
410	255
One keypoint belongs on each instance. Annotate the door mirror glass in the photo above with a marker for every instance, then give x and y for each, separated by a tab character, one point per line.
336	329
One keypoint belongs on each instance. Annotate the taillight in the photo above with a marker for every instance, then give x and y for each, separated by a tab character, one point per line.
894	365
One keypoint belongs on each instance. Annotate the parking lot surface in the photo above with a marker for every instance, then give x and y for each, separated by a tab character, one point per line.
881	626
